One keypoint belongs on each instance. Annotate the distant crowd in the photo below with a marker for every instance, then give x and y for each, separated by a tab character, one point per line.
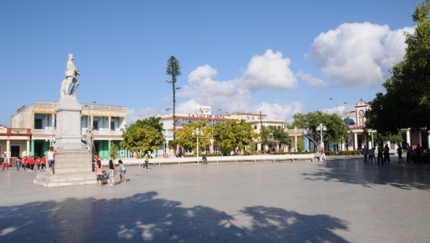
382	154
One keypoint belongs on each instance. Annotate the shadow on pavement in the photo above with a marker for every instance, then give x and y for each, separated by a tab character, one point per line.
354	171
143	217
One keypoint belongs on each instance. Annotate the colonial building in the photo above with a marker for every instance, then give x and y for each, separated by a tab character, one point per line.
106	120
15	141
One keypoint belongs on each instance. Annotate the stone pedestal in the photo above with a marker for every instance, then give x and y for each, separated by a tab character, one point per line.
72	160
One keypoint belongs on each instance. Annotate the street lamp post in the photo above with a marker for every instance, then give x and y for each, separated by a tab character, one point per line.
337	107
321	128
197	133
212	139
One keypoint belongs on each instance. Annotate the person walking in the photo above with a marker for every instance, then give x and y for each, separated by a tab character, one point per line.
365	153
123	171
51	159
399	153
5	162
386	154
99	173
18	163
380	152
146	158
111	172
323	154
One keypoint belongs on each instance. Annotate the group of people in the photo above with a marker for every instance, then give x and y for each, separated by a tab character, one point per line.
100	173
27	163
383	154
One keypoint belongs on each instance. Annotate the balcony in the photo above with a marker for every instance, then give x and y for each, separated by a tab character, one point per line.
43	131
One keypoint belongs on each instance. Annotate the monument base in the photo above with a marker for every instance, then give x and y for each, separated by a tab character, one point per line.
71	168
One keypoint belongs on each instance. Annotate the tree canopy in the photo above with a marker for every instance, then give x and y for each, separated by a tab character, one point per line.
188	140
274	136
337	130
232	134
143	135
406	103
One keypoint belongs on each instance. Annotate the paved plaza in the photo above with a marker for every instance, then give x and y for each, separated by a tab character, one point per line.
340	200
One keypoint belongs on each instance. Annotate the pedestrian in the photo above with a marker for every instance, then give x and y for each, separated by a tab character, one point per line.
24	163
146	158
408	153
30	162
5	162
95	159
111	172
380	152
386	154
372	155
51	159
123	171
365	153
38	162
43	162
323	154
399	153
18	163
418	153
99	173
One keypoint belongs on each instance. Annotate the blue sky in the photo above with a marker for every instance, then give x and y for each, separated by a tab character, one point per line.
278	57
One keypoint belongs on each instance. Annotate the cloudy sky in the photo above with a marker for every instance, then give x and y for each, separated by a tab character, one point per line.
277	57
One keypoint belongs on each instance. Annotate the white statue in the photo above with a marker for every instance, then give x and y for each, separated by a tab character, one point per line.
71	73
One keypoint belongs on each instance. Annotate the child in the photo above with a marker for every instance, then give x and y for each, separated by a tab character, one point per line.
38	162
111	172
372	155
44	162
24	163
122	174
99	173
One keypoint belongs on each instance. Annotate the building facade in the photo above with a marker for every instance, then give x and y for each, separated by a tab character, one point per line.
107	122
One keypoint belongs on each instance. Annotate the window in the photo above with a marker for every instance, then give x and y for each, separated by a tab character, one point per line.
247	118
255	127
95	125
112	126
15	151
38	123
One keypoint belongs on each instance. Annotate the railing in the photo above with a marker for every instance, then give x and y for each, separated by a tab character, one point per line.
43	131
222	159
20	130
111	133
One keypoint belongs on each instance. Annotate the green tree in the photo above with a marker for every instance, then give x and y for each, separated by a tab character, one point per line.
140	139
300	145
406	102
232	134
337	130
150	121
113	150
173	69
275	137
188	139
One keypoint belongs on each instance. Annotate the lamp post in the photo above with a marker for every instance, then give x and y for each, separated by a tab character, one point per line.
212	139
50	140
321	128
197	133
337	107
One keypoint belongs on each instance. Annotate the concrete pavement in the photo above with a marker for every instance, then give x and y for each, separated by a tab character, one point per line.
340	200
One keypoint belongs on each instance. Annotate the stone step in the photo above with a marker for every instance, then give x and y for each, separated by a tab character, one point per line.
73	165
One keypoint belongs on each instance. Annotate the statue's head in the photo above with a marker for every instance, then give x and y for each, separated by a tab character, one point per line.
71	56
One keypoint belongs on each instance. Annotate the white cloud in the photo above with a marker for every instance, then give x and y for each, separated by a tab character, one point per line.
269	71
277	111
312	81
134	115
358	54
